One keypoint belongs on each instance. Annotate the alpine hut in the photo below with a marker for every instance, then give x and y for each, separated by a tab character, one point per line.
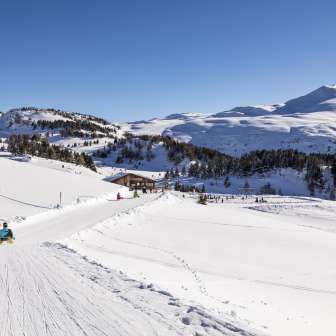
133	181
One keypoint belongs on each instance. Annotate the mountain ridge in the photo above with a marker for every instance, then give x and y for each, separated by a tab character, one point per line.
306	123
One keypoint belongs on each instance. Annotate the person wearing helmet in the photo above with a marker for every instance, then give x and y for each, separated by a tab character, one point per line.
6	233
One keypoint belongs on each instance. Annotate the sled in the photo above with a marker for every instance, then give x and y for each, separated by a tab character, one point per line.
8	240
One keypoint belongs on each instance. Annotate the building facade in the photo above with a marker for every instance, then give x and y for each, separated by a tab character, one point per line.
133	181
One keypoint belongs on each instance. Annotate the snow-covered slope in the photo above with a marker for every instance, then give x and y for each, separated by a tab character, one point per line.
321	99
160	264
29	188
27	120
236	258
251	111
49	289
307	123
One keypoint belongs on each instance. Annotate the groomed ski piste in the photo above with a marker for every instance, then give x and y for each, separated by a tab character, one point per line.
160	264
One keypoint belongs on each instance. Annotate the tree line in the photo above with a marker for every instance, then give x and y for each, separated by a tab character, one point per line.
75	128
208	163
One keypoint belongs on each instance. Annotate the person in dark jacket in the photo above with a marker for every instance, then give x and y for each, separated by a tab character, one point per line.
5	232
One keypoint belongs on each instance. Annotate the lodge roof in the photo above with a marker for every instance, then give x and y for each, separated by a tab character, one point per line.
120	175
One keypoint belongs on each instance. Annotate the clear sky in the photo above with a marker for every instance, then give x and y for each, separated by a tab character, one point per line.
136	59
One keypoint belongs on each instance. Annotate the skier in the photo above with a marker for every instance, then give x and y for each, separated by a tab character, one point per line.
6	234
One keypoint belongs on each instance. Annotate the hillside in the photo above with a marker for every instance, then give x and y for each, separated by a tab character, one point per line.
84	263
49	289
32	187
307	123
236	145
159	264
30	120
55	134
236	257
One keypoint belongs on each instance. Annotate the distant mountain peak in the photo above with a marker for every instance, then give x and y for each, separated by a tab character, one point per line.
184	116
249	111
306	123
332	86
321	99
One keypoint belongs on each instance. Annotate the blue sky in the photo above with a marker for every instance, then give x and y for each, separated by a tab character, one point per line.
136	59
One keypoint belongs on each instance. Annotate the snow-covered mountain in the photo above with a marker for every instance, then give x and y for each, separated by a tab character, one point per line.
93	142
27	120
84	263
306	123
322	99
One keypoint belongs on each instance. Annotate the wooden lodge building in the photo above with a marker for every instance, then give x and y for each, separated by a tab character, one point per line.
133	181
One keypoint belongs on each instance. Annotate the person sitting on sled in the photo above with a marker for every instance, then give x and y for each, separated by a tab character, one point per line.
6	233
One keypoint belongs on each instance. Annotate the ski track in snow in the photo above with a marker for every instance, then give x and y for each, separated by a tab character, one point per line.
51	290
48	289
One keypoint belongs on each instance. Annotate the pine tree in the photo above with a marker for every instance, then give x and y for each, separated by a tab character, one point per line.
333	172
227	182
311	188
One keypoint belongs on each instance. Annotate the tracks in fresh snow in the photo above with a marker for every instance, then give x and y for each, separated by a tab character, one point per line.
51	290
43	296
180	260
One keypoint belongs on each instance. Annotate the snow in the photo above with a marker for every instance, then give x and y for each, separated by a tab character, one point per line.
162	264
29	188
290	182
19	121
306	123
255	266
321	99
47	288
